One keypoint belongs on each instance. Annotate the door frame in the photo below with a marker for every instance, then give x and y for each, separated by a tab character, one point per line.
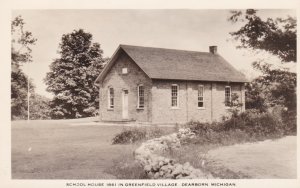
125	111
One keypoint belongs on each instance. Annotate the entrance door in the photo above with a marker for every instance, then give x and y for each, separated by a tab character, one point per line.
125	104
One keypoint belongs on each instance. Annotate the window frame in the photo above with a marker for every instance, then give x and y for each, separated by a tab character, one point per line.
230	93
124	70
177	97
198	96
139	97
111	104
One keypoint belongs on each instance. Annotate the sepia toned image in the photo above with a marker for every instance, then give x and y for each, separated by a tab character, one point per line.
153	94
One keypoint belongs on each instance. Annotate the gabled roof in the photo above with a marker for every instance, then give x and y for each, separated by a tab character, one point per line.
161	63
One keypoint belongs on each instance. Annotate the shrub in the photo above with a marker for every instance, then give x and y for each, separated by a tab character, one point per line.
289	119
258	123
129	136
132	135
247	126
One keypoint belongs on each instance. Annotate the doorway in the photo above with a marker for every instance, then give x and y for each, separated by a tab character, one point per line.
125	104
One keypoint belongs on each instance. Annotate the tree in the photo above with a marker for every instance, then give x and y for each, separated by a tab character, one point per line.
71	77
19	93
39	107
273	87
254	97
20	53
276	36
235	105
276	86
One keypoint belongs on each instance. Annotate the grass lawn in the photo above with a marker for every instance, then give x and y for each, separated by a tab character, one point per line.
56	149
269	159
75	149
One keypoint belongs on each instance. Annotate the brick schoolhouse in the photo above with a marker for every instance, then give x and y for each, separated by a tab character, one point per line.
159	85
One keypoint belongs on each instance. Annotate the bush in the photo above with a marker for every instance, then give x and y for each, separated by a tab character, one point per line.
247	126
289	119
255	123
132	135
129	136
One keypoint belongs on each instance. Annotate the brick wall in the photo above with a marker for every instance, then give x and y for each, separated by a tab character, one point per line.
158	97
130	82
195	113
218	98
162	112
214	96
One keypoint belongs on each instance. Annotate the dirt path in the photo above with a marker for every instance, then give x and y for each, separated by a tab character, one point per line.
271	159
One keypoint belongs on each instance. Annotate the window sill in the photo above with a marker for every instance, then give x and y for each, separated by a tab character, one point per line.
201	108
175	108
140	108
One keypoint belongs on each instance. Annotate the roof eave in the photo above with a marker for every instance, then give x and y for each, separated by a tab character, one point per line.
110	64
107	67
202	80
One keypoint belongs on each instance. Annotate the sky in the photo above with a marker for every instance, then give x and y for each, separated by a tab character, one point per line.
176	29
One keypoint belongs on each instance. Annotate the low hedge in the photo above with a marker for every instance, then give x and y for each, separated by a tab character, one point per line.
247	126
132	135
129	136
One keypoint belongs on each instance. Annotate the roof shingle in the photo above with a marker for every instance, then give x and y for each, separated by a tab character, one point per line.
160	63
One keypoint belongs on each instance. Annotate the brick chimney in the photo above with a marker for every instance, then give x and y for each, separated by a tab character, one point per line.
213	49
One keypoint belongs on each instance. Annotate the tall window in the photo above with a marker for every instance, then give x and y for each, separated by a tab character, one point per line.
110	98
227	95
141	96
200	96
174	96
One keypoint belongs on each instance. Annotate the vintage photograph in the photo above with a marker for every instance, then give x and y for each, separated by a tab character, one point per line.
153	94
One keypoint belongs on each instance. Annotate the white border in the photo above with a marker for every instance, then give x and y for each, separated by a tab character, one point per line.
6	6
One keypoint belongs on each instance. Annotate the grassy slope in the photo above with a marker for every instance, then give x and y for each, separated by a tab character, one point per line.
54	149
